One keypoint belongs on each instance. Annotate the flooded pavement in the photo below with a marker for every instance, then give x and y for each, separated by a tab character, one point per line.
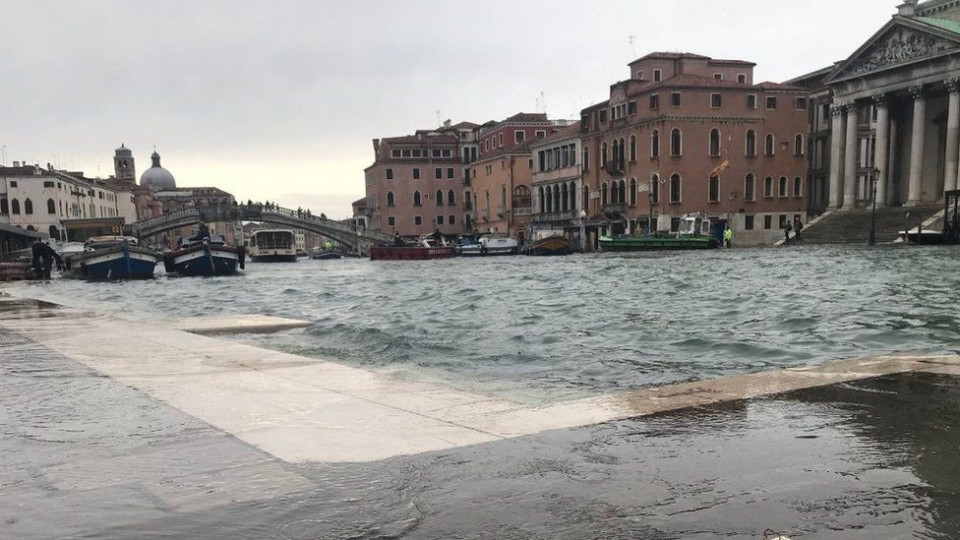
84	456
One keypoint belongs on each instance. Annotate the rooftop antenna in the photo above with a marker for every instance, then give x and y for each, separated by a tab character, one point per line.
633	49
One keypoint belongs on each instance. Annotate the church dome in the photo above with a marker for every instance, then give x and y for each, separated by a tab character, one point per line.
156	177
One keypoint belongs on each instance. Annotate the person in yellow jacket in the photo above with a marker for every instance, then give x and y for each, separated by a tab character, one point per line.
728	237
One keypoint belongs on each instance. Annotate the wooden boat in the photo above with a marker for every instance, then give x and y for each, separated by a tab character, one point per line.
549	246
694	233
423	251
325	255
112	257
204	256
272	245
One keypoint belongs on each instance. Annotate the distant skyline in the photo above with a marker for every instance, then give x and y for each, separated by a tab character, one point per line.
280	100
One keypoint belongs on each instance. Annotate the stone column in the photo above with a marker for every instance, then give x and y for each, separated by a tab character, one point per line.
835	182
882	147
850	159
915	189
893	162
953	135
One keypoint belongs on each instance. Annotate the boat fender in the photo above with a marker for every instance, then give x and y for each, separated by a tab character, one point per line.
168	263
243	256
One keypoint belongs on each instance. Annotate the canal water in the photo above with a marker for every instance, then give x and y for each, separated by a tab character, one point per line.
547	329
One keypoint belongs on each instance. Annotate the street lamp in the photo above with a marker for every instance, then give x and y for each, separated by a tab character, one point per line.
874	176
583	234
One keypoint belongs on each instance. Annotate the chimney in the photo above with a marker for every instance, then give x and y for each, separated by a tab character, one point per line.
16	163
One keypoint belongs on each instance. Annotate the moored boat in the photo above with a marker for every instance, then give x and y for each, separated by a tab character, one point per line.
694	233
204	256
549	246
325	255
421	252
112	257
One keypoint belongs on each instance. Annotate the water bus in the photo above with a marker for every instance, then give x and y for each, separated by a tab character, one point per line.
272	245
694	233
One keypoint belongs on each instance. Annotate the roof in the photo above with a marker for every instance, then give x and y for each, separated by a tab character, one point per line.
669	56
21	231
573	130
700	81
527	117
421	139
522	148
27	170
945	24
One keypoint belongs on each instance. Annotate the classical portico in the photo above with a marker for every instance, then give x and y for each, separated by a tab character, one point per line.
895	114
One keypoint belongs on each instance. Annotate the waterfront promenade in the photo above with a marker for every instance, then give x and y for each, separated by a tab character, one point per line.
115	429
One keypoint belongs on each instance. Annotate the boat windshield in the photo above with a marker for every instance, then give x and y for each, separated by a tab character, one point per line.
690	226
272	239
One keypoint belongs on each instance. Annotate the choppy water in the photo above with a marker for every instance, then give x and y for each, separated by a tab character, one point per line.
554	328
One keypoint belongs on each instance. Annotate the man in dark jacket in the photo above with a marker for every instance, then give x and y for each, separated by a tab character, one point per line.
43	257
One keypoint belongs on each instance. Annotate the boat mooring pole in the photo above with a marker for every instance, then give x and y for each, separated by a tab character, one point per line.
583	234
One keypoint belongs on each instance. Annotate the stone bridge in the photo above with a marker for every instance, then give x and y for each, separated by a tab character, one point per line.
343	233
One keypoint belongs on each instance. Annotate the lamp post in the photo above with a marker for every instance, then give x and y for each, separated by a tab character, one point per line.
583	233
874	176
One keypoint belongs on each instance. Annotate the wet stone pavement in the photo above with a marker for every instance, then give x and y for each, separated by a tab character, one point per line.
83	456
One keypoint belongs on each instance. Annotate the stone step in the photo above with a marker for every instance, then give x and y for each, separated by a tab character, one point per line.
853	226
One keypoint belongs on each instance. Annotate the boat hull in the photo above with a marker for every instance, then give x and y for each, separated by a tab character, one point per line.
549	247
326	256
655	243
121	262
274	257
410	253
204	261
929	238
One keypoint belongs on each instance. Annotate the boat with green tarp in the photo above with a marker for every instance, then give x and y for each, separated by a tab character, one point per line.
694	233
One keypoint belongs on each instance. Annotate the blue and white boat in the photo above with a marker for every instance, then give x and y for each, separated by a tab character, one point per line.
112	257
204	256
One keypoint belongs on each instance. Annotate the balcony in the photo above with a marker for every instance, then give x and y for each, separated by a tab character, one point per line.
522	210
615	209
501	212
614	168
564	215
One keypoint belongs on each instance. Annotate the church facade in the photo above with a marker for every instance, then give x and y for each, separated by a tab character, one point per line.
889	114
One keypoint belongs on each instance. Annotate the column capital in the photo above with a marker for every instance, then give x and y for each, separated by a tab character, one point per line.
880	101
918	92
953	85
837	108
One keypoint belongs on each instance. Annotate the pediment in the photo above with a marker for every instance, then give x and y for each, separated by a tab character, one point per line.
899	43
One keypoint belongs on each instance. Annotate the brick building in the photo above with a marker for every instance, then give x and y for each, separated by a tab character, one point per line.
687	133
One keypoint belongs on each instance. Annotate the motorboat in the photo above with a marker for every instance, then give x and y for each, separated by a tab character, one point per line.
424	249
206	255
694	233
549	245
112	257
325	255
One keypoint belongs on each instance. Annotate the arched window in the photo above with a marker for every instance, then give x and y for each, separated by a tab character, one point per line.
769	145
782	192
655	143
655	189
616	155
675	188
676	142
15	207
556	198
543	202
586	159
573	196
751	148
451	198
416	198
622	194
798	187
623	155
633	192
389	198
749	188
633	148
439	197
713	189
564	198
521	197
4	206
768	187
549	199
54	233
51	206
714	142
798	145
28	207
603	194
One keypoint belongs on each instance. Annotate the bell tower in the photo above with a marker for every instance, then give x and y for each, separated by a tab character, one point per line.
124	169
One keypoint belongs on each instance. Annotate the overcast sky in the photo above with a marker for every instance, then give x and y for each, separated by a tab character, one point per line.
280	99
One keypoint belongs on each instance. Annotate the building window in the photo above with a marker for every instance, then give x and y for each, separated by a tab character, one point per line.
13	183
586	159
749	188
518	136
802	104
748	223
4	207
657	75
768	187
450	173
28	207
713	189
450	198
798	187
674	224
603	194
439	198
783	187
751	145
675	189
714	142
391	221
452	220
676	99
540	133
769	145
633	192
51	206
439	220
655	189
767	222
49	183
783	221
718	76
438	173
654	102
716	101
416	173
603	116
771	103
798	145
742	78
751	101
640	75
389	174
390	200
417	220
676	142
654	144
631	108
633	148
416	198
500	140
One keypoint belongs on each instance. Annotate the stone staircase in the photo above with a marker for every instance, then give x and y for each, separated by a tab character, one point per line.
853	226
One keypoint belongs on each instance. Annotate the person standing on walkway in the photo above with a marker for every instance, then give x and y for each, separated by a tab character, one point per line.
786	231
797	227
43	257
728	237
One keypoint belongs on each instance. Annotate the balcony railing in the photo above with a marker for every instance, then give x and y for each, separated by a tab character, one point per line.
614	168
564	215
522	210
615	208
